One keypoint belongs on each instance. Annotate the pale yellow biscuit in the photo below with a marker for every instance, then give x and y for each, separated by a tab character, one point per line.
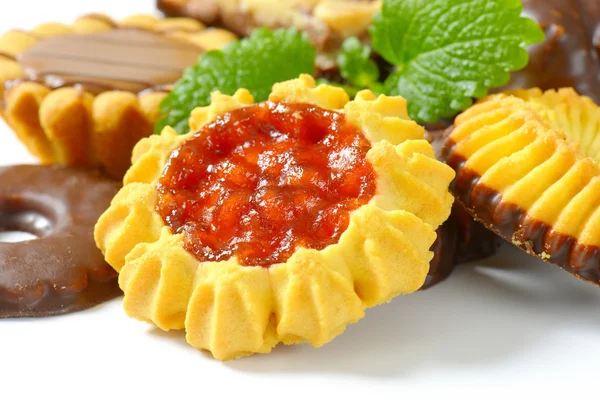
233	310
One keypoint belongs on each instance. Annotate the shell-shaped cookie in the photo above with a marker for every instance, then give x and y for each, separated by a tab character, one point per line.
209	39
577	116
12	43
119	123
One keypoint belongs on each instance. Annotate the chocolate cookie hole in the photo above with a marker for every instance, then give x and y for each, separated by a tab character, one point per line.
16	236
22	220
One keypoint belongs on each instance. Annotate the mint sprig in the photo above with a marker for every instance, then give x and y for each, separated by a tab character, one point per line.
356	65
447	52
444	53
255	63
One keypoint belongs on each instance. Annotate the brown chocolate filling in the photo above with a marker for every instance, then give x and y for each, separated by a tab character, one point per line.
62	270
131	60
512	223
444	250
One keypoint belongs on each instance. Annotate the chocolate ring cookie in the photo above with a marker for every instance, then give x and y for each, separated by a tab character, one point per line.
62	270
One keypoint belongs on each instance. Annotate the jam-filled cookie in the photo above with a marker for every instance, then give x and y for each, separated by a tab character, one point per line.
276	222
84	94
327	22
527	167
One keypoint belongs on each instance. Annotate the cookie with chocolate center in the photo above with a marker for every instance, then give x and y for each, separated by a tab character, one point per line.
84	94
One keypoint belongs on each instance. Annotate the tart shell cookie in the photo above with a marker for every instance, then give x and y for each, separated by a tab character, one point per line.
527	167
84	94
233	308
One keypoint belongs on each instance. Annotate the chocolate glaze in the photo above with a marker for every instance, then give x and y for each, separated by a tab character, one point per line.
132	60
512	223
474	241
62	270
444	251
570	55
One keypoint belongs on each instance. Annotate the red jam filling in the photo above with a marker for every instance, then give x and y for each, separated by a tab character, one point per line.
263	180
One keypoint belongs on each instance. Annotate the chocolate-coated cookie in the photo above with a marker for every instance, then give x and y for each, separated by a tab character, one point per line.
60	271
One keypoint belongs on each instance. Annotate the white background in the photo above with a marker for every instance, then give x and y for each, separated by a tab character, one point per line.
508	327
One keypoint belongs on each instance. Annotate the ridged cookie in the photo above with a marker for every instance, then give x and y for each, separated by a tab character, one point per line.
234	310
527	167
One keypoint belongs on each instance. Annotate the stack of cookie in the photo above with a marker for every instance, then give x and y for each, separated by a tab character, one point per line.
280	218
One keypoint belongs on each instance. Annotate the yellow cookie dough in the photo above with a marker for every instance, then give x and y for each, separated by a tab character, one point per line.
233	310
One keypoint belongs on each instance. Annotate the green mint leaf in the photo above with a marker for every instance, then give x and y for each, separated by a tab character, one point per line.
447	52
255	63
356	65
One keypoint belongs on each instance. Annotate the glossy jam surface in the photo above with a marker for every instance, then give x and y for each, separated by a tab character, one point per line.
263	180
